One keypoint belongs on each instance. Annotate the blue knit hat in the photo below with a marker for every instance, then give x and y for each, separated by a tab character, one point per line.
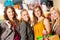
8	3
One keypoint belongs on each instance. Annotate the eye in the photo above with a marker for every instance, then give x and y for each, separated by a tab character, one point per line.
24	15
8	12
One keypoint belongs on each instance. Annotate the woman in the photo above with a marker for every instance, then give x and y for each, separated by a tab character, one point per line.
9	25
25	28
55	18
41	26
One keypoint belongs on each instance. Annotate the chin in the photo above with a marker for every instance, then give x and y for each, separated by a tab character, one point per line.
55	18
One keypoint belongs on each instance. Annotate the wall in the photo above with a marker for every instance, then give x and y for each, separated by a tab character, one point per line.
1	1
56	3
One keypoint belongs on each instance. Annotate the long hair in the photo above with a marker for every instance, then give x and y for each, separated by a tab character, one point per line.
54	8
6	16
27	13
34	11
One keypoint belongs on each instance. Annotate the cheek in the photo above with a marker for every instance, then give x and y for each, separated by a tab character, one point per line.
26	17
39	13
57	14
8	14
52	16
23	17
35	13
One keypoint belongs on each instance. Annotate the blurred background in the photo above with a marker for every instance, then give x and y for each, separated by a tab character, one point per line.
25	3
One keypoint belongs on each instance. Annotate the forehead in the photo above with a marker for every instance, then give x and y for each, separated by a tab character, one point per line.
9	9
53	11
24	12
36	9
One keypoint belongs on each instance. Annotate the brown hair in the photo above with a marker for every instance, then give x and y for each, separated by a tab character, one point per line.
34	11
6	16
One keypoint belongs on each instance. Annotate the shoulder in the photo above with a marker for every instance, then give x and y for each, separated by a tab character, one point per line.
46	21
4	24
23	23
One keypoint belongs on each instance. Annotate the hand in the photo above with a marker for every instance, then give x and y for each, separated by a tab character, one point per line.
46	38
9	25
44	32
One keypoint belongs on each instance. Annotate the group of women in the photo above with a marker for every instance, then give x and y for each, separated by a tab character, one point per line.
22	30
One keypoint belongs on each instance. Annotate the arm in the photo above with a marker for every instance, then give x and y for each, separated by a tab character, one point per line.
47	25
5	24
5	31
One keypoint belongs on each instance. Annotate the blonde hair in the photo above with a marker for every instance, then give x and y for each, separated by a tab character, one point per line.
24	10
56	9
27	13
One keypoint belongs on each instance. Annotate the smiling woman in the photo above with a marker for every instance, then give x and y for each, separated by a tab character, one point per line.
55	19
41	26
9	25
24	28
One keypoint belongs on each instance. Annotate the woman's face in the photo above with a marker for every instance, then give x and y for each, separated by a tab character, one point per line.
37	12
10	13
25	16
54	14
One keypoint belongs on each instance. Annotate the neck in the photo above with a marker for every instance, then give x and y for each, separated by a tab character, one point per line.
40	18
25	20
11	19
